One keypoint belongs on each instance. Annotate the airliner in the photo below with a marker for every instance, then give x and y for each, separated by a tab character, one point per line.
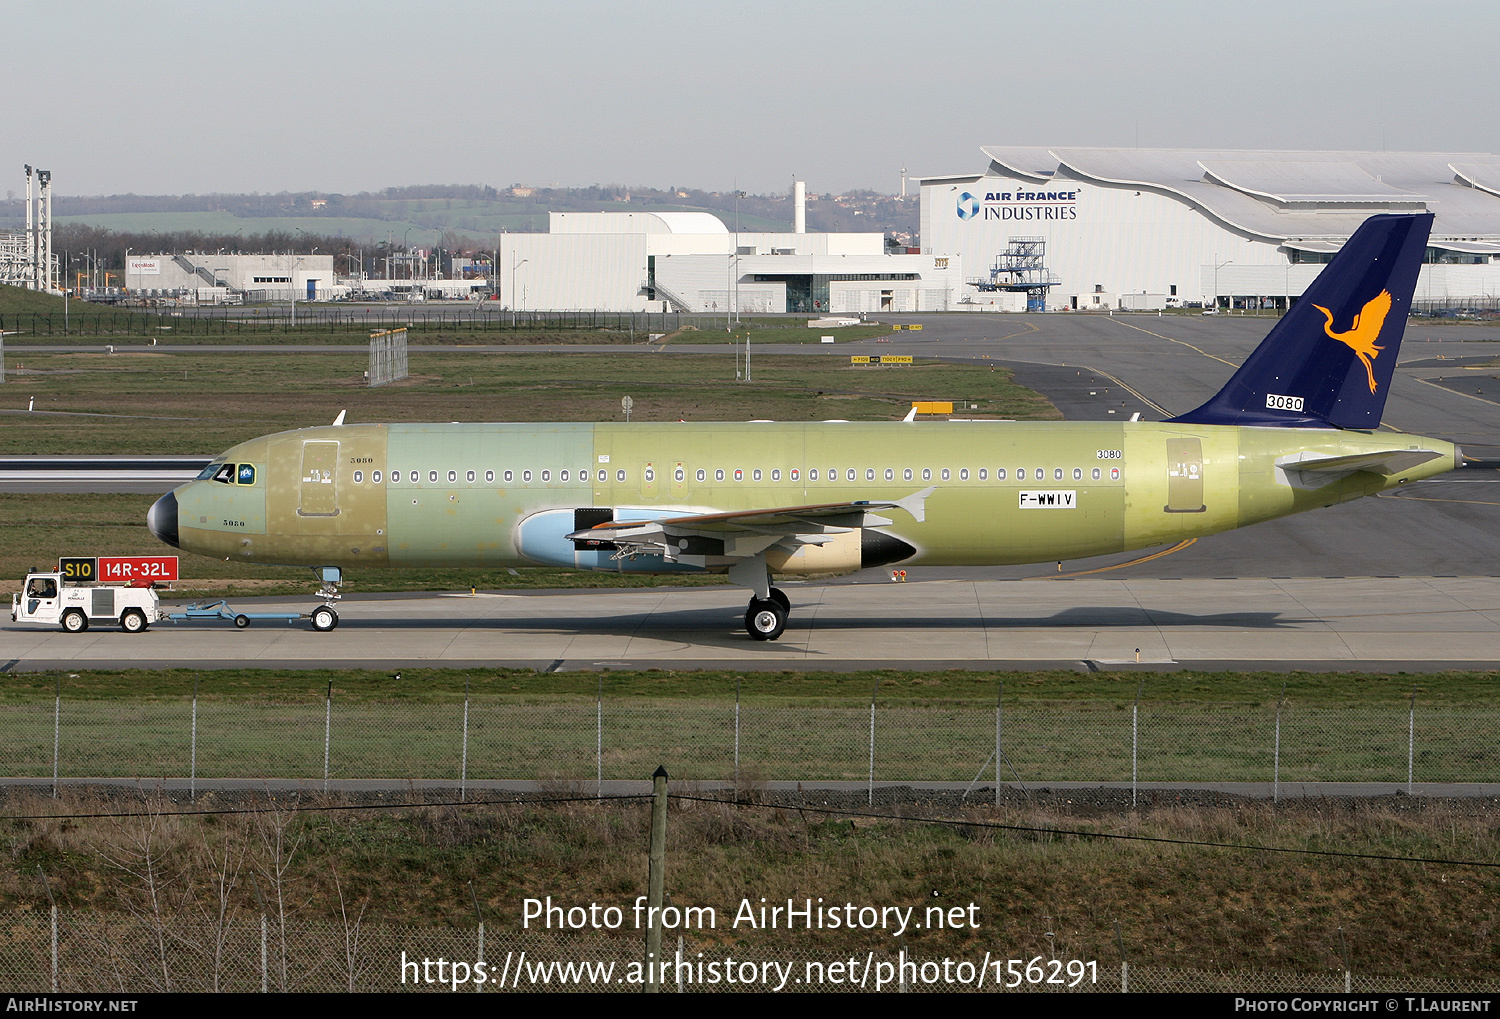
1292	430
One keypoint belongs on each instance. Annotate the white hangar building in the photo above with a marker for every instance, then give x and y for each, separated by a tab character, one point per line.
1092	228
691	261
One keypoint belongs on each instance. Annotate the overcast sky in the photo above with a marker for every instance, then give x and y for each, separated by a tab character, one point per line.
178	97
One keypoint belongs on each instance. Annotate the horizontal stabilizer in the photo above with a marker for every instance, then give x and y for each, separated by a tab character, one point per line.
1316	471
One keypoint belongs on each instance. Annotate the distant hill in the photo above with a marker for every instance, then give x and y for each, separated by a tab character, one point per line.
451	216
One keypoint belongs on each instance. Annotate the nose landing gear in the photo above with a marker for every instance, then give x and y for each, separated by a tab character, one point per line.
324	618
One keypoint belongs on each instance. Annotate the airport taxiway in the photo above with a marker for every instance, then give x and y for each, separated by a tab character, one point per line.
1363	623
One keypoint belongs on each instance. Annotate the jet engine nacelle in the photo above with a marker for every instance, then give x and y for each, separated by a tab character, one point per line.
845	552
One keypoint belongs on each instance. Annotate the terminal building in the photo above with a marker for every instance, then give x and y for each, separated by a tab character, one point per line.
1091	228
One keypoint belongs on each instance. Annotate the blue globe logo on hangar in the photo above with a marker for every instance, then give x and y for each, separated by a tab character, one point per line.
968	206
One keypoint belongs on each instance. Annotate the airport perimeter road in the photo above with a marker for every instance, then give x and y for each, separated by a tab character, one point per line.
1368	624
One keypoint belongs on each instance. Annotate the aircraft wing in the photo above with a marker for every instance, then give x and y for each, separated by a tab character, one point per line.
1311	471
746	533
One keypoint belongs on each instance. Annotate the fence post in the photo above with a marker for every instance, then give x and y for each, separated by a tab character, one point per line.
53	903
193	747
999	704
479	955
1124	963
736	737
56	732
1411	739
599	740
873	694
656	880
1276	752
1135	713
463	764
327	732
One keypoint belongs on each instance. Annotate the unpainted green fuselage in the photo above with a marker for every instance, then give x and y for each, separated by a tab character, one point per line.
1005	492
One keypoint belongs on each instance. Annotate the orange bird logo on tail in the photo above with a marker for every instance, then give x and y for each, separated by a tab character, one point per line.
1363	331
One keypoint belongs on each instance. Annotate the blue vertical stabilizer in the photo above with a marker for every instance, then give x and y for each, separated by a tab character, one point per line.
1330	359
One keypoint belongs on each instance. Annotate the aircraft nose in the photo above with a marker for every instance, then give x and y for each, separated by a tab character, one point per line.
162	519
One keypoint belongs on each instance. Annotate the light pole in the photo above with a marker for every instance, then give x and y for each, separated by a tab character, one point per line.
1221	265
514	265
737	196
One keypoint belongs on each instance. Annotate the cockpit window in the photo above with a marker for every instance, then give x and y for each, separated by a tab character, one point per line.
209	471
225	474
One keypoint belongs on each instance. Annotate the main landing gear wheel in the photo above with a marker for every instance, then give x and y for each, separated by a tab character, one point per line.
74	621
133	621
324	619
765	620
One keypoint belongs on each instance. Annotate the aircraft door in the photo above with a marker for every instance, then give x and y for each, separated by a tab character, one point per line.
319	488
1184	476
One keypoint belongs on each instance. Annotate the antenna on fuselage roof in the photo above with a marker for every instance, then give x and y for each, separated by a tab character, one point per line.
340	419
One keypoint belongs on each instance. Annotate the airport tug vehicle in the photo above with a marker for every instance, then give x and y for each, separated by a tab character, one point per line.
95	590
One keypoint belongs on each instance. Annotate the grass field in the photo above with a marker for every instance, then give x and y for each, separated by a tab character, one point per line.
1056	726
1172	903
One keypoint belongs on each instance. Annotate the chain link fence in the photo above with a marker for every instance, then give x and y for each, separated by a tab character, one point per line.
881	737
75	951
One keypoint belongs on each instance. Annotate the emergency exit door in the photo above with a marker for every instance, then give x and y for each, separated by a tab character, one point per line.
319	488
1184	476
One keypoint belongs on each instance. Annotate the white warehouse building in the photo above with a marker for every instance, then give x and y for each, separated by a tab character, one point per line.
270	277
1092	228
692	262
